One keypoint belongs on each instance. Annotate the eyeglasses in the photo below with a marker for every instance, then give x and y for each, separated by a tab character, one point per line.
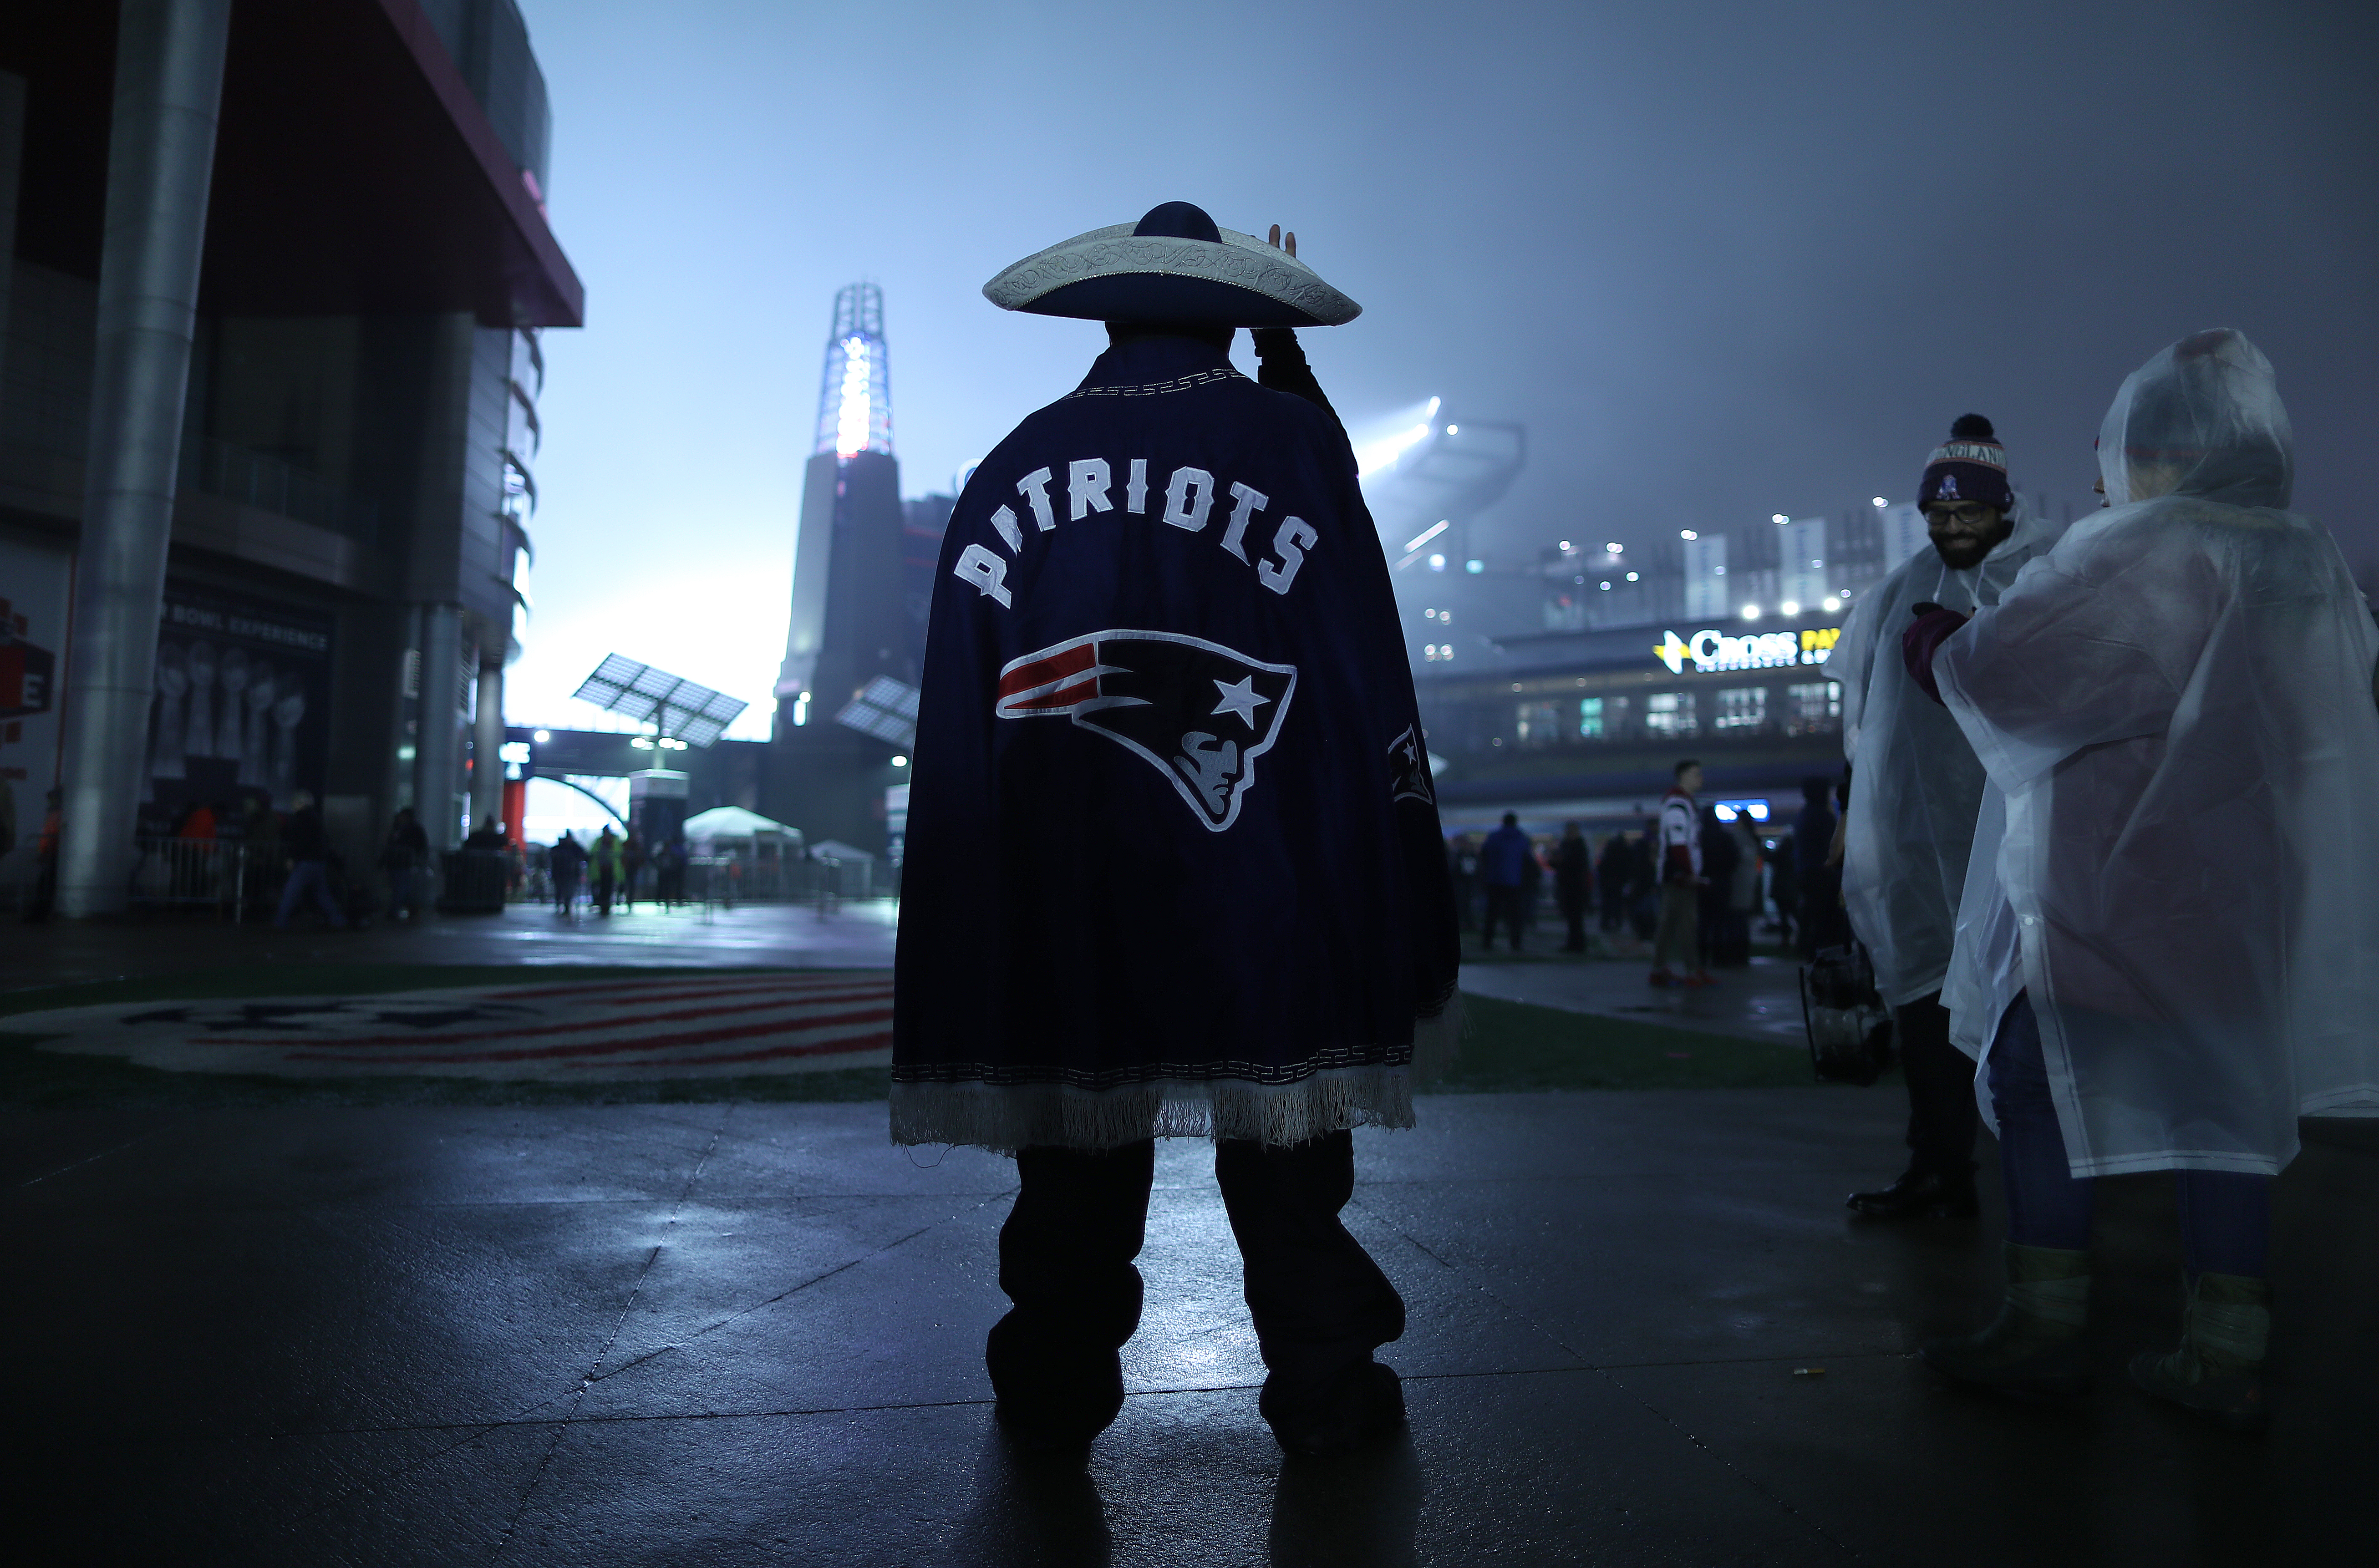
1967	515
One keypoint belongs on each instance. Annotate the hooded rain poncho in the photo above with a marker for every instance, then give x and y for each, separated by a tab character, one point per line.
2175	856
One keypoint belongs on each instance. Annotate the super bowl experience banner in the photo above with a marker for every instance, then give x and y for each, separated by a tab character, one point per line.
243	703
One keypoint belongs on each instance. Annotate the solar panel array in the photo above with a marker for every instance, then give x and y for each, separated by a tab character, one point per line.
886	709
676	706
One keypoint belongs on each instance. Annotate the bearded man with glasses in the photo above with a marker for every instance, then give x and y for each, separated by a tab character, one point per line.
1920	788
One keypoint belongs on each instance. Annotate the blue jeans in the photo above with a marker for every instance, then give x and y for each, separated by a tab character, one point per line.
303	874
2226	1217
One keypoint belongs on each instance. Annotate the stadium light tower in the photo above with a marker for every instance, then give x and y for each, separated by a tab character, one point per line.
850	627
855	397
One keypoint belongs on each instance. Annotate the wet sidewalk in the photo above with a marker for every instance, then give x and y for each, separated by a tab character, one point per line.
852	935
1643	1331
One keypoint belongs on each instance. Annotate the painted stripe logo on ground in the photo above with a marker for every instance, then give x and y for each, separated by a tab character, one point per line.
679	1026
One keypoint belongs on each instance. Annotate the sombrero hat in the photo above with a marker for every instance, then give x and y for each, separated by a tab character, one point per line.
1174	265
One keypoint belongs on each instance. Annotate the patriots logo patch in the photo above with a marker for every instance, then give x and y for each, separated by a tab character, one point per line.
1408	769
1196	711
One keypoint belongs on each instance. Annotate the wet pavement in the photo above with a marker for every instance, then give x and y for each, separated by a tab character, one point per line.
748	1334
1643	1328
850	935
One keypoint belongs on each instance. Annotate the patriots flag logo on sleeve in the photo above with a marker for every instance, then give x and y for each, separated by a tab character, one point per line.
1198	712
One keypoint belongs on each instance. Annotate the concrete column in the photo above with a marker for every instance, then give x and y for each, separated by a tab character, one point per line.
436	753
486	741
169	65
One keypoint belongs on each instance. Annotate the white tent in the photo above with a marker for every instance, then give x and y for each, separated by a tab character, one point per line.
730	823
835	849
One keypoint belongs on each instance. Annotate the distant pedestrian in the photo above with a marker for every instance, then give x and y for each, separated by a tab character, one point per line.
632	866
1502	866
1743	906
1574	884
1784	887
1680	882
567	864
309	849
668	871
1612	872
604	865
1462	867
400	855
1532	886
1722	858
1644	888
1813	845
45	860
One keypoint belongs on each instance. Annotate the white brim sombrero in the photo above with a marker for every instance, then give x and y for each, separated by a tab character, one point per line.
1174	265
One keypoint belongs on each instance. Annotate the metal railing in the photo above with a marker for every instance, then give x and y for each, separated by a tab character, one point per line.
219	873
746	879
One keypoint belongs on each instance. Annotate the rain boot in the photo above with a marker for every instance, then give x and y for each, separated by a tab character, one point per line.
2219	1371
2034	1349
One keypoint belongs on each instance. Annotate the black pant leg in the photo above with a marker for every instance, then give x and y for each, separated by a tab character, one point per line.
1941	1119
1321	1305
1066	1260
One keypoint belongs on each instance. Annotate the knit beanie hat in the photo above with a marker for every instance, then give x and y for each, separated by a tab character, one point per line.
1970	467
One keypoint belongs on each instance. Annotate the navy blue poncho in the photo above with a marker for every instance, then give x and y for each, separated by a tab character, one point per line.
1172	862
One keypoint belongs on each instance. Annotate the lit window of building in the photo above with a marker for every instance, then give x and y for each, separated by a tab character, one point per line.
1670	715
1742	707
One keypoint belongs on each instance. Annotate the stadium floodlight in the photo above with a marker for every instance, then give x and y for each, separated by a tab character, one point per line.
667	704
1374	456
886	709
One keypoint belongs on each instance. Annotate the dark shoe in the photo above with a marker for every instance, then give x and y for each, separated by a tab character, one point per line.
1920	1196
2219	1371
1048	1398
2034	1349
1345	1412
1663	978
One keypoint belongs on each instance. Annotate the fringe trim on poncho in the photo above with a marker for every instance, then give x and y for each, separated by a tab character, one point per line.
1004	1117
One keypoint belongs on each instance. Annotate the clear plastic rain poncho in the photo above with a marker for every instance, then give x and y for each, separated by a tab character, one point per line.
2177	853
1917	785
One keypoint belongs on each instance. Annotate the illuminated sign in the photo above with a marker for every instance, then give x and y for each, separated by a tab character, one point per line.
1714	650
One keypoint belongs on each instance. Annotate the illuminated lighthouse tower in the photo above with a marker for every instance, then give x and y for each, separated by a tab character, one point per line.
849	622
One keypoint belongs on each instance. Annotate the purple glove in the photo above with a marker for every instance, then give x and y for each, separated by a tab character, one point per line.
1923	638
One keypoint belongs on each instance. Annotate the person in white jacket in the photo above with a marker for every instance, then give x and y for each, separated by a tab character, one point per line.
2163	952
1911	819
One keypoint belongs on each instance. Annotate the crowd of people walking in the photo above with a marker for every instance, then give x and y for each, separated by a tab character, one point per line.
1698	887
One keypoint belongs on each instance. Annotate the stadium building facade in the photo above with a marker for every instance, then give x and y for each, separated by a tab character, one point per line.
271	297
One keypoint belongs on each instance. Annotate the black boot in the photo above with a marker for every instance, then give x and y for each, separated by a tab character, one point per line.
2034	1349
1921	1195
1054	1392
1344	1412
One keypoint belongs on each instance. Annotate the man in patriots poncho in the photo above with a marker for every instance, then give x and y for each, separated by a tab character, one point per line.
1172	859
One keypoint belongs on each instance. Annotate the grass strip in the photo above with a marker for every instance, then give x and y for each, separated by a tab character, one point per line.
1512	1046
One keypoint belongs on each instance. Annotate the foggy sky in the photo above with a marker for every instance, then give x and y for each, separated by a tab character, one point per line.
1723	260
